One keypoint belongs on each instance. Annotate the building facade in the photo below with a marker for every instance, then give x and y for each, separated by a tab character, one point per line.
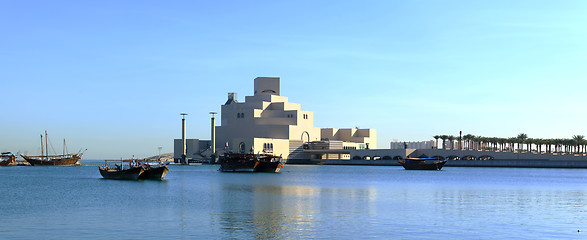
412	145
195	149
268	123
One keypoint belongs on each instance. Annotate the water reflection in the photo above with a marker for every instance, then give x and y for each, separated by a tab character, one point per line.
281	211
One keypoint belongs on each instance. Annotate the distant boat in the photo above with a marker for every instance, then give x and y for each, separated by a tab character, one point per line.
153	172
64	159
134	171
243	162
422	163
7	159
119	172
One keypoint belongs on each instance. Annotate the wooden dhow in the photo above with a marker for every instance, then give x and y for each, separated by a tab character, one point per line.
422	163
119	172
153	172
243	162
64	159
136	169
7	159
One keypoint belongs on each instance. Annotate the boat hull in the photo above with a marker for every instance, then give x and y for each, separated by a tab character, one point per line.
154	172
7	159
238	162
234	166
126	174
34	161
422	164
269	167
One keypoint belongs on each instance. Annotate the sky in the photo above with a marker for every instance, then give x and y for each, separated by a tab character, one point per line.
112	77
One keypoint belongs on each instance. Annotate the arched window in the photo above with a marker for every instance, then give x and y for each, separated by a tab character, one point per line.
305	136
242	147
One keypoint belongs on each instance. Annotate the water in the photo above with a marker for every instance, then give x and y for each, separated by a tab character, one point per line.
315	202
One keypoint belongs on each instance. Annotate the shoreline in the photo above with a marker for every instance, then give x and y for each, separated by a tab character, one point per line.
504	163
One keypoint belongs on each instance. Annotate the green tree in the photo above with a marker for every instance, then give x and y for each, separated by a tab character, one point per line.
468	138
451	138
578	140
443	137
436	137
521	139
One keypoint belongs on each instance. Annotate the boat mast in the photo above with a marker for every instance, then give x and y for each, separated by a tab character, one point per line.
42	149
46	144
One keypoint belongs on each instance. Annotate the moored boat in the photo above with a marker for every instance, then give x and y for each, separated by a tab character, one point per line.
153	172
119	172
422	163
53	160
136	169
64	159
243	162
7	159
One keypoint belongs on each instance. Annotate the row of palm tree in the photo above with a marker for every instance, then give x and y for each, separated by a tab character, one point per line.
521	143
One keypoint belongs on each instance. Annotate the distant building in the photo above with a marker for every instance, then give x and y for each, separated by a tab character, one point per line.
351	138
412	145
267	122
195	149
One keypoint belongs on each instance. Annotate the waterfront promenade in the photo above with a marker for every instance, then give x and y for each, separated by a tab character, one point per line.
462	158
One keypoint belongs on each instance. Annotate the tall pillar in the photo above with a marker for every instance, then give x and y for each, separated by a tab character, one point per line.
183	139
213	138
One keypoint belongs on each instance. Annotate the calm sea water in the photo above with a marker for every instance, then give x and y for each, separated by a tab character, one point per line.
315	202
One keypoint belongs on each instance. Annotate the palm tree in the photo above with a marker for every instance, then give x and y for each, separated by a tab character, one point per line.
478	142
493	141
468	138
539	142
451	138
436	137
558	147
521	137
568	145
529	142
578	139
512	142
550	142
443	137
501	142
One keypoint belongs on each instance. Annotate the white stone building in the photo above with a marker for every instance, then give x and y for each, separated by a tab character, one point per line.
268	122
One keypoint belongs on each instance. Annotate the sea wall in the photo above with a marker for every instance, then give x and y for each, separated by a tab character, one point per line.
496	159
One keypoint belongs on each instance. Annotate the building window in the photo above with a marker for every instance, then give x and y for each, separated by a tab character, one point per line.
268	147
240	115
241	147
305	136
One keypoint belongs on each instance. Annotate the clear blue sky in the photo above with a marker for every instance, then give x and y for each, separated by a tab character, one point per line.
113	76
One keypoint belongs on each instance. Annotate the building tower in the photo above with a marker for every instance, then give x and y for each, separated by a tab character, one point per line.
183	139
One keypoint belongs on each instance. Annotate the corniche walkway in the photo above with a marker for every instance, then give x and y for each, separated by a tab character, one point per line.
456	158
